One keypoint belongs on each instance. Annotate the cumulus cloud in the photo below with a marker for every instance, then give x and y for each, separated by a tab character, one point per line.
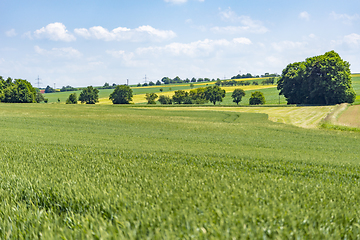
346	19
352	39
246	24
142	33
56	32
67	52
304	15
349	42
11	33
195	49
288	45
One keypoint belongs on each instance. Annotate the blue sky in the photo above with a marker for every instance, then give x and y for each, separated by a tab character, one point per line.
81	43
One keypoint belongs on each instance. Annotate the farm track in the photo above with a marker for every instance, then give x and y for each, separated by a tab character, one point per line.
350	116
305	117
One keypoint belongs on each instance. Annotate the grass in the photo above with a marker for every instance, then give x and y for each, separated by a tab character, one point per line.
114	172
306	117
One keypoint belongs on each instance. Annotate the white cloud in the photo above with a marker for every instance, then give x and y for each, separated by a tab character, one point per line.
11	33
242	41
352	39
288	45
56	32
121	54
346	19
247	24
349	42
67	52
304	15
195	49
142	33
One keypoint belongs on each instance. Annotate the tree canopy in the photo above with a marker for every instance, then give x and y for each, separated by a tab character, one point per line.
179	96
17	91
324	80
72	99
198	95
49	89
214	94
165	99
122	95
257	98
150	97
237	95
89	95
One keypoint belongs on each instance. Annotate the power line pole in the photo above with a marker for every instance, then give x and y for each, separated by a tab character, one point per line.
127	82
38	81
54	86
145	79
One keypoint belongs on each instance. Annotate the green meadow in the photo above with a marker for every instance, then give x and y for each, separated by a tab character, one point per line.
120	172
271	94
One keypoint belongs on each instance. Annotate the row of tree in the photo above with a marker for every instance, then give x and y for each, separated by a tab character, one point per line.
269	81
167	80
248	75
123	94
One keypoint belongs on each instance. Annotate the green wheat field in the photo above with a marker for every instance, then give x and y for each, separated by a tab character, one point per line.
115	172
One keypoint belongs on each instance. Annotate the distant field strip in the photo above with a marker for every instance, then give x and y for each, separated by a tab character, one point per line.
305	117
248	88
140	98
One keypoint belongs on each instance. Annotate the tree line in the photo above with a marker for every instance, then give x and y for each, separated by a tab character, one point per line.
19	91
269	81
123	94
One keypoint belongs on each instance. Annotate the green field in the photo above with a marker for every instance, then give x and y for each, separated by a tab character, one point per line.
271	94
115	172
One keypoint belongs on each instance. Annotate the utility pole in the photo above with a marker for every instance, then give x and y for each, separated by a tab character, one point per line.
38	81
54	86
127	82
145	79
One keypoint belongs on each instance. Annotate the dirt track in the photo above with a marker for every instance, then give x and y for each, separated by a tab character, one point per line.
350	117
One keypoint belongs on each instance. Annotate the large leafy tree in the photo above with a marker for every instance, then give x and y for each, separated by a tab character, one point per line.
214	94
257	98
179	96
89	95
165	99
198	95
17	91
151	97
324	79
237	95
122	95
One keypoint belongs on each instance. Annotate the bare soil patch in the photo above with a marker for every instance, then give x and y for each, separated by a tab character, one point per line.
350	117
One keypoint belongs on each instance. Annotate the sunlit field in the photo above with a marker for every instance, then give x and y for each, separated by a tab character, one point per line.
114	172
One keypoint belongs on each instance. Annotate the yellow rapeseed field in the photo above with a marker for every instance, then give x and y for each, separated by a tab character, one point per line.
140	98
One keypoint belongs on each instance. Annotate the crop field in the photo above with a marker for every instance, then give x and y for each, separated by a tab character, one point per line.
115	172
305	117
270	92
